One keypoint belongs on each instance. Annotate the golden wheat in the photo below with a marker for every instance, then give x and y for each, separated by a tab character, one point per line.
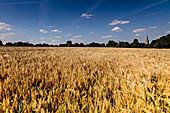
94	80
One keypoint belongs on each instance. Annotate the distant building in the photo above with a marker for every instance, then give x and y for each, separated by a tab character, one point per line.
147	40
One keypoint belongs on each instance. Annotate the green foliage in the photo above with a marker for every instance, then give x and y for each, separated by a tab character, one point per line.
111	43
135	43
123	44
69	43
163	42
94	44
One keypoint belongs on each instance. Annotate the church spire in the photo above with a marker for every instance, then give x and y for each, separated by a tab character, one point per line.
147	40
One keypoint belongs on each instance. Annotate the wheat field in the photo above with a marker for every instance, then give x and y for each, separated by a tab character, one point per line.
94	80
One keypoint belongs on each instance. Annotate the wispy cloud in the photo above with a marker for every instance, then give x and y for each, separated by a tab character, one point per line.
108	36
87	15
117	29
79	36
4	36
56	31
154	13
115	22
43	31
5	27
42	38
90	10
43	12
95	6
138	35
168	22
91	32
145	8
58	37
139	30
167	32
68	35
152	27
150	6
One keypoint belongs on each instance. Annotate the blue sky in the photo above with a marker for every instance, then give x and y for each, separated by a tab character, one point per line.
56	21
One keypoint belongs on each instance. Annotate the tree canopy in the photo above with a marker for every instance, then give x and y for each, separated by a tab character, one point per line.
162	42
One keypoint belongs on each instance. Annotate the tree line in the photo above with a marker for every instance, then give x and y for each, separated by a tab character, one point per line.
162	42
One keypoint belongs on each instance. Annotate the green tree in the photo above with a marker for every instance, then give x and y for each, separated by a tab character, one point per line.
135	43
123	44
126	44
111	43
69	43
9	44
162	42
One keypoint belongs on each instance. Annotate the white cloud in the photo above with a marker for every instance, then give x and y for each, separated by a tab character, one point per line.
42	38
78	27
115	22
87	15
56	30
108	36
117	29
125	22
167	32
138	34
139	30
168	22
77	36
43	31
68	35
5	27
153	27
91	32
58	37
50	26
6	35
